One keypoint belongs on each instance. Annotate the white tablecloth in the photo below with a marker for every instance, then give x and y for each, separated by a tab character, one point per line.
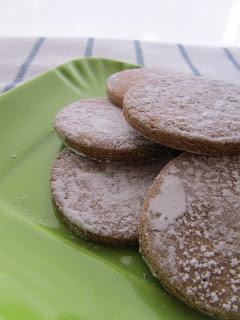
24	58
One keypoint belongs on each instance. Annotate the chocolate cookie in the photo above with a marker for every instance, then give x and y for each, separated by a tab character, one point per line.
187	113
119	83
101	201
97	129
190	232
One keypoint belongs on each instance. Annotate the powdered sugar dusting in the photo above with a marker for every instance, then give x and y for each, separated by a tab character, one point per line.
169	204
103	198
98	123
205	265
120	82
195	108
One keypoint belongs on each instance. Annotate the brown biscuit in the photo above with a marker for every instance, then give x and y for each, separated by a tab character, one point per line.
97	129
101	201
187	113
190	232
119	83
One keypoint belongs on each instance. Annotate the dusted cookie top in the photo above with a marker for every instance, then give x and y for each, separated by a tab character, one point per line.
187	113
100	200
119	83
190	232
96	128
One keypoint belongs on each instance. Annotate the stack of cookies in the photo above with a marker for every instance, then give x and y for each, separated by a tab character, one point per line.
121	178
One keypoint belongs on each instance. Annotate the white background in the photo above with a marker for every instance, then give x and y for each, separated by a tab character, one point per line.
204	22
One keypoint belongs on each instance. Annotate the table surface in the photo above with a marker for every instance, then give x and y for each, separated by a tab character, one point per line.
199	22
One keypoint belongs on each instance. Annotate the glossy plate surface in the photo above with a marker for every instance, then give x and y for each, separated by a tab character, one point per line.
45	271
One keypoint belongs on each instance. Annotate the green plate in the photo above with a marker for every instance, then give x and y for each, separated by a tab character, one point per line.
45	271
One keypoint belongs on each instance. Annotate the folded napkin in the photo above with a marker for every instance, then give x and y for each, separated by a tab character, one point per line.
24	58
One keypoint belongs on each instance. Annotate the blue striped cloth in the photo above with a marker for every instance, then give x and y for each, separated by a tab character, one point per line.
24	58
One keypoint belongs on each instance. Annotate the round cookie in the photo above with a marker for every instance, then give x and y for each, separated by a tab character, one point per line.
97	129
187	113
119	83
190	232
101	201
